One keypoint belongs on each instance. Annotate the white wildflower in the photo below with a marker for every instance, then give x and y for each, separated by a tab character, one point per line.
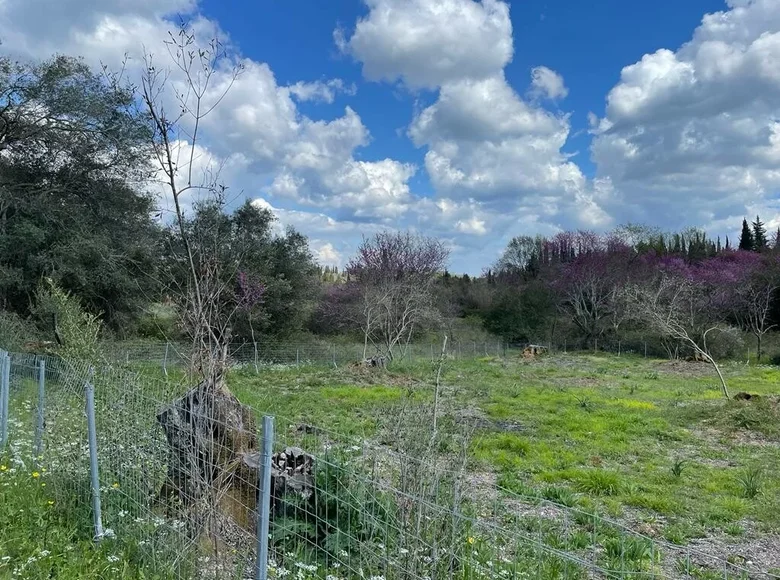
306	567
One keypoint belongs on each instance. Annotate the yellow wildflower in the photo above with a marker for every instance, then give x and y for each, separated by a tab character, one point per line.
470	540
3	468
51	502
115	485
36	474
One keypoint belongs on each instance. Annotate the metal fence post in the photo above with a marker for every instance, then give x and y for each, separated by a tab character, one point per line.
93	460
264	506
5	386
335	366
165	360
39	421
297	357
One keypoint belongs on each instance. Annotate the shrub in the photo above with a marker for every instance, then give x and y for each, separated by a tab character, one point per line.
14	332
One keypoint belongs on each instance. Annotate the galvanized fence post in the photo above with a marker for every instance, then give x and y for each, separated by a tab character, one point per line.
93	460
264	504
165	360
5	386
39	420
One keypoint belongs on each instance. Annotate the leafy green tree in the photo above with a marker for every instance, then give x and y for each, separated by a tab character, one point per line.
254	259
746	240
521	314
73	143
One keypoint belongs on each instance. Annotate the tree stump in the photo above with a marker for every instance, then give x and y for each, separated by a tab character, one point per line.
209	432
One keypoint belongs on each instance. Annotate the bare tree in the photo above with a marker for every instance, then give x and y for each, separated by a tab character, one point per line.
394	273
669	307
754	301
198	69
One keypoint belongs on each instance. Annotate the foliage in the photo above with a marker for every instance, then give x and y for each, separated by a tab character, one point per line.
678	467
750	481
268	280
598	482
73	142
746	239
14	331
78	331
344	512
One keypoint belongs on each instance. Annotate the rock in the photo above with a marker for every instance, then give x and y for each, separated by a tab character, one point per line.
533	350
746	397
292	476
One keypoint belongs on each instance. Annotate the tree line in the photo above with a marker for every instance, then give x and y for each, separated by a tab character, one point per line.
80	151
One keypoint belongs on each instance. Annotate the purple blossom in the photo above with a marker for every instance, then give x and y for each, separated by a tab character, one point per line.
250	291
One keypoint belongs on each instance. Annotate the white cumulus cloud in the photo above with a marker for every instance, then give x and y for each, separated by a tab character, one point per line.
692	134
428	43
547	83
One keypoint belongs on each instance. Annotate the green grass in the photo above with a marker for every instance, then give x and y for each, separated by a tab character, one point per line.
633	439
625	432
46	513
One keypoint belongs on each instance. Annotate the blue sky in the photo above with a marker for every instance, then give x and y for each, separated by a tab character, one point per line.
470	120
587	43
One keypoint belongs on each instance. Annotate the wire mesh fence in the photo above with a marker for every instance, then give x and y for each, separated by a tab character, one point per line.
177	490
257	355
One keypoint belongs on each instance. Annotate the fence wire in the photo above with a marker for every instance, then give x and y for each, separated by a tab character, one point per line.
257	355
179	488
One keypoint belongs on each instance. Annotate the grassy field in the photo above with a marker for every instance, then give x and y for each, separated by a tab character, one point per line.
653	444
650	445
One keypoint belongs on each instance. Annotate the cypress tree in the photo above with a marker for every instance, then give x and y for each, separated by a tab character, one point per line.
759	235
746	241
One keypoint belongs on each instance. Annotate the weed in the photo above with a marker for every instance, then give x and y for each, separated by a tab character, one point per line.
681	532
560	495
578	540
598	482
584	403
734	529
629	552
677	467
750	480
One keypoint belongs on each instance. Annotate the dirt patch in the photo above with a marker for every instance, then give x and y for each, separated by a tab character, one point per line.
581	382
757	554
688	369
371	376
